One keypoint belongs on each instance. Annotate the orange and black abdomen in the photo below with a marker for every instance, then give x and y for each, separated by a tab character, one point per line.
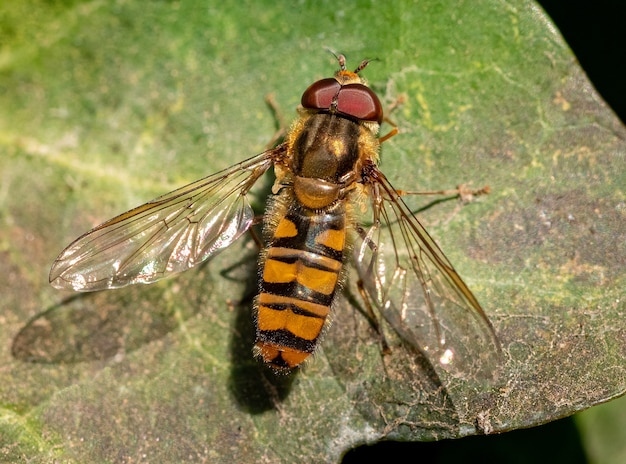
299	280
303	263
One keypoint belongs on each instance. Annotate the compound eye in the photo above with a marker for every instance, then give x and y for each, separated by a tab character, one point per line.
360	102
320	94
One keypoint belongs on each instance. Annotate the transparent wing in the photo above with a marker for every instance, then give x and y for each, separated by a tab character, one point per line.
417	290
167	235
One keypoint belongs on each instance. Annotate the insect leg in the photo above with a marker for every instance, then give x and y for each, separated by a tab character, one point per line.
462	191
373	319
394	127
370	314
253	233
281	129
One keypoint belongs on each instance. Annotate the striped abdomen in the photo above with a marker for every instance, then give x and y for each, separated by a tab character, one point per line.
299	280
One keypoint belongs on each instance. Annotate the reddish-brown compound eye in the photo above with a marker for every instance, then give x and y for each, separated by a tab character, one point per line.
360	102
320	94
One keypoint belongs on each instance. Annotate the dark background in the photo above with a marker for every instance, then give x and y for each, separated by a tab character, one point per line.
596	32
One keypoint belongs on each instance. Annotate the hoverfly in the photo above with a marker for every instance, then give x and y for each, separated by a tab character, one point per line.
326	172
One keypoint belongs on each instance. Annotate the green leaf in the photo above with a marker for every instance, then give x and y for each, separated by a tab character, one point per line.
104	105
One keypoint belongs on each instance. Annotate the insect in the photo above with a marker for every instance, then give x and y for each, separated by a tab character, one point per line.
326	176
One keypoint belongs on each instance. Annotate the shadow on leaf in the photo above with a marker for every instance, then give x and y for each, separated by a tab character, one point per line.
97	326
